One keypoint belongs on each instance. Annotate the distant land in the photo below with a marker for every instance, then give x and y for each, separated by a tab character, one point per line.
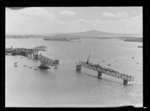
79	35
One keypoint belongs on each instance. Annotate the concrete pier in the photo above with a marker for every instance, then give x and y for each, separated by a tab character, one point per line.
99	74
35	56
56	61
78	68
43	66
125	82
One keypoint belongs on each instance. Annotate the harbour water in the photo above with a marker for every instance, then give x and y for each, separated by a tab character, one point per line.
28	86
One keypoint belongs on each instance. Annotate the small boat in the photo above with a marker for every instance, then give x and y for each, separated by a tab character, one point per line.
140	46
35	68
25	65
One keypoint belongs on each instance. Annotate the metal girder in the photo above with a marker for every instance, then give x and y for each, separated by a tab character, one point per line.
106	71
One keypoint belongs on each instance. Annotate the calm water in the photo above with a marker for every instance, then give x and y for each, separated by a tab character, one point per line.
64	86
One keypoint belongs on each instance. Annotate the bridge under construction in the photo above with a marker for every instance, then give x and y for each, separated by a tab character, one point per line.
46	62
33	54
126	78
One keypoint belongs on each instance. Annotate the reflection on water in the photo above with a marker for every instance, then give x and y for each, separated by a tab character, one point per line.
64	86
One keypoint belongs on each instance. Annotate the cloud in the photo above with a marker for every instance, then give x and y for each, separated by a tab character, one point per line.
83	21
115	15
29	20
134	12
79	21
40	20
68	13
125	25
16	8
32	11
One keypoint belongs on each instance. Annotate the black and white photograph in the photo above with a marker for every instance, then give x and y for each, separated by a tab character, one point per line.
74	56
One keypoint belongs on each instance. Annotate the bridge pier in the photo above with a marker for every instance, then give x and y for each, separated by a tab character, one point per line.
28	55
78	67
125	82
35	56
99	74
23	53
56	62
31	55
44	66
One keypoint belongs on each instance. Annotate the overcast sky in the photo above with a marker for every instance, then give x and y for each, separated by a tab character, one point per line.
40	20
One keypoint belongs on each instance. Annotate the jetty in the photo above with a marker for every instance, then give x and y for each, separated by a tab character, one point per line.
33	54
125	77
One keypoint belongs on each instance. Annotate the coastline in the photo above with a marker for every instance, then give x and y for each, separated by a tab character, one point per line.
70	39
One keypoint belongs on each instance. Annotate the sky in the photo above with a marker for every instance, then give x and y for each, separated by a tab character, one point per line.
46	20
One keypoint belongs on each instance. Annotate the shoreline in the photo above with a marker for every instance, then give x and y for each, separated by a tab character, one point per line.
125	39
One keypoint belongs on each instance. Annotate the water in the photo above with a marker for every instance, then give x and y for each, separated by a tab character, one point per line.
64	86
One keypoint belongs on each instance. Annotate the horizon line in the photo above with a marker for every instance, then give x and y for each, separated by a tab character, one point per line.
67	33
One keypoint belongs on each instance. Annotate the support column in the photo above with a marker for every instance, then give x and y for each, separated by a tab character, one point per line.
78	67
99	74
29	55
26	54
44	66
56	62
125	82
35	56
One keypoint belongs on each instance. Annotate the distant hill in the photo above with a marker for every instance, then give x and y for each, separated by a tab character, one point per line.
72	36
96	33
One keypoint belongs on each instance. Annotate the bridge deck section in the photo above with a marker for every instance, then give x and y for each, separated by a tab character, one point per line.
107	71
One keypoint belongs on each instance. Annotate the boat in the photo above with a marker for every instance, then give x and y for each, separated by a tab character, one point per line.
140	46
109	64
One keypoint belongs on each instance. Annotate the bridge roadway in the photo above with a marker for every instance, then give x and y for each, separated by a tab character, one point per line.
33	53
25	51
47	62
104	70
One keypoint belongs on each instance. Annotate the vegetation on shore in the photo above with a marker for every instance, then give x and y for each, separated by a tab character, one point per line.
69	37
133	39
93	34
